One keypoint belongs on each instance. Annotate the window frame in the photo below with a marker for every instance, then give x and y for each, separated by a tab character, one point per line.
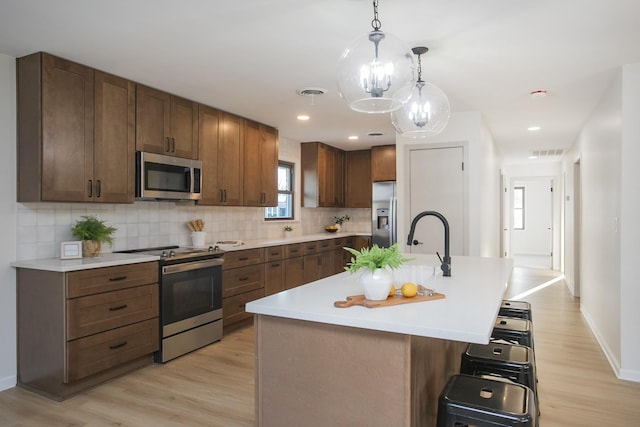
291	192
519	211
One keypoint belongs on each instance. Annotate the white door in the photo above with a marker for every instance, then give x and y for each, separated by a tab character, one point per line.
531	222
437	184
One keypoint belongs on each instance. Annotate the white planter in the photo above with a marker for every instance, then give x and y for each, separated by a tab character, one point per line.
376	284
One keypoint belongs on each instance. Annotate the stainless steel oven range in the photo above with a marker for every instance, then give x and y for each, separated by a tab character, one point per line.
190	298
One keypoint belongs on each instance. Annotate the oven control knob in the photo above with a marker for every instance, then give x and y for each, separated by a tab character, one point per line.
163	254
172	253
211	249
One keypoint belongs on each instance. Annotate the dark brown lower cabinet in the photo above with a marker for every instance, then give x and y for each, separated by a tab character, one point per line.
294	272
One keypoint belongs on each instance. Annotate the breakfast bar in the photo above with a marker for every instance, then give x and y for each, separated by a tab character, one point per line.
318	365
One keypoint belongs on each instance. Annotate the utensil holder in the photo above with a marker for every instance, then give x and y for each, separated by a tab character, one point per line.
198	238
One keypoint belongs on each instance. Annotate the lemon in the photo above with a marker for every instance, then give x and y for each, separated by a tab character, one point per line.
409	289
392	290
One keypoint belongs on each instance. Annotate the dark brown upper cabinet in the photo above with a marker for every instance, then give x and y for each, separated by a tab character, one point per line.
358	179
383	163
322	175
166	124
260	165
221	139
75	132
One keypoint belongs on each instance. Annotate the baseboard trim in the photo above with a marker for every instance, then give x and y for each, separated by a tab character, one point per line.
613	362
8	382
629	375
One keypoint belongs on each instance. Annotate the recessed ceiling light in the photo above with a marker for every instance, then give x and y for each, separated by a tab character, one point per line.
533	128
538	94
353	137
303	117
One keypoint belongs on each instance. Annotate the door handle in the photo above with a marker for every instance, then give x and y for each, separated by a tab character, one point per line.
90	188
99	188
416	242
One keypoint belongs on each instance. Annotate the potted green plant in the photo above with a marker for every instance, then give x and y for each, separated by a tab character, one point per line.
288	230
93	232
340	219
376	264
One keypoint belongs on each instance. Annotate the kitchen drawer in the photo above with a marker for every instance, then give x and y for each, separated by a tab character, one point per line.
310	248
338	242
99	352
101	312
233	307
97	280
273	253
325	245
240	280
234	259
293	250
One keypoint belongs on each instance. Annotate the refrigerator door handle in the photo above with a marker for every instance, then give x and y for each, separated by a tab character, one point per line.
392	221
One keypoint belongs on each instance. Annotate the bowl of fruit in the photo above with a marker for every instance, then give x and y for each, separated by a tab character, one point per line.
331	228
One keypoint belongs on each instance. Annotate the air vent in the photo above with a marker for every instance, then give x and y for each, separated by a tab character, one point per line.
548	153
311	91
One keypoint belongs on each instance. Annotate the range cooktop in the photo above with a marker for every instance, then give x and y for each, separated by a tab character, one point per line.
178	253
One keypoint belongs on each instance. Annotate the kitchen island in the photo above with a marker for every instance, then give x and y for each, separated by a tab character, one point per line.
317	365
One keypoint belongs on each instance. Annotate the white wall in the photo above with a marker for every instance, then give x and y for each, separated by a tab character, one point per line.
482	210
629	225
599	149
8	219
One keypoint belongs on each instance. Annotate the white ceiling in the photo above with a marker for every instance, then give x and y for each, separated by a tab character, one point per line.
249	57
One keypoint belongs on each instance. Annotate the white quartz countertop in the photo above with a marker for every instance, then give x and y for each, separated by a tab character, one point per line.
113	259
65	265
467	313
263	243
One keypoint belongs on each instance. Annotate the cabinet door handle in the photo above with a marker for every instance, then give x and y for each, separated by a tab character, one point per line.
90	188
122	344
173	145
225	196
221	196
117	279
167	146
119	307
98	188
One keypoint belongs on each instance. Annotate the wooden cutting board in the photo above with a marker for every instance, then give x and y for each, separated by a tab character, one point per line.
393	300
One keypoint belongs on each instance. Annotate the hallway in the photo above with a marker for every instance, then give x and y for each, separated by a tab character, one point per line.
577	386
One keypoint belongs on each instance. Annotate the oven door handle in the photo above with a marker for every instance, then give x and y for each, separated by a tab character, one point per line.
188	266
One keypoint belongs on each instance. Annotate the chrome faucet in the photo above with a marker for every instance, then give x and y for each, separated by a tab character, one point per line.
446	261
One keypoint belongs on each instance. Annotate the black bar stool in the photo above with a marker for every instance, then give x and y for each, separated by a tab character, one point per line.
514	331
519	309
484	402
501	361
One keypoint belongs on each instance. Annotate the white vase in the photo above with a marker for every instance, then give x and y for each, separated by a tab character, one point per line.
376	284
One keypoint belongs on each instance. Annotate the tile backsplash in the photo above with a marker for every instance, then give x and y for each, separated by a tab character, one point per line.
41	227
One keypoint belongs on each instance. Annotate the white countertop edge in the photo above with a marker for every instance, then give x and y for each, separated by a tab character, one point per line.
66	265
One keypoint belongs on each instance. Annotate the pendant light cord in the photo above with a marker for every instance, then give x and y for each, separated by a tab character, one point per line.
375	23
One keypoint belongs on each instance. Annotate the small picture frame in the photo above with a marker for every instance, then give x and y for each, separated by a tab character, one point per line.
71	250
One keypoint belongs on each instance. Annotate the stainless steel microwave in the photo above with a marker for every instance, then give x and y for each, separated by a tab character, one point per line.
160	177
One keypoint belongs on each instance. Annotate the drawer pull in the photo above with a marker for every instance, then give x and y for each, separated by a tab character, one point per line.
117	279
113	347
241	305
120	307
243	259
275	265
242	279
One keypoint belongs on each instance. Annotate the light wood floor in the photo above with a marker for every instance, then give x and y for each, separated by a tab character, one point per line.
214	386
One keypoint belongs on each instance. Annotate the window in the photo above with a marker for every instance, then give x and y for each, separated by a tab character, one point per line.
518	208
284	210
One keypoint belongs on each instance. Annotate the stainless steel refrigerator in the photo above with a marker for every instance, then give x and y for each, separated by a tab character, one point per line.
383	214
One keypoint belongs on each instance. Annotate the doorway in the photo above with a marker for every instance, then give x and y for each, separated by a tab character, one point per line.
531	222
577	226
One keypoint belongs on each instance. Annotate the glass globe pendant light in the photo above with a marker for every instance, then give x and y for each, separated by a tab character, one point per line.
375	72
427	111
